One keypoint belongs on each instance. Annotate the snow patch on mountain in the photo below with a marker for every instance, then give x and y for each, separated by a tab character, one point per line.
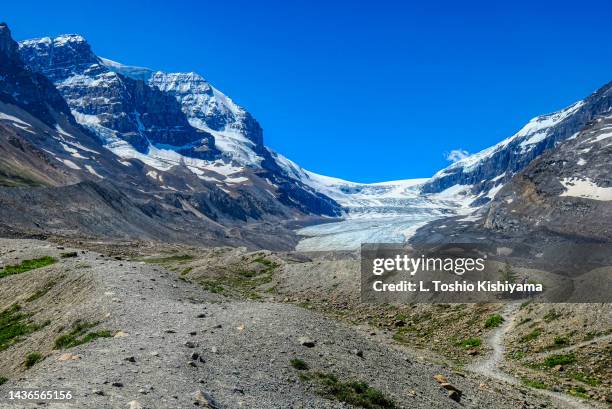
586	189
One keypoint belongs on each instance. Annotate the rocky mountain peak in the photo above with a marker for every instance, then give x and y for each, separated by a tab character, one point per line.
59	57
8	47
24	88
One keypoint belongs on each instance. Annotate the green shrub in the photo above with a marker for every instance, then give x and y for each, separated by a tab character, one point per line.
589	380
563	359
355	393
299	364
77	336
3	380
493	321
561	341
470	343
531	336
534	383
32	358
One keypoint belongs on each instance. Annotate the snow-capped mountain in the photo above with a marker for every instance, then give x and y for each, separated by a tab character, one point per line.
176	142
484	173
566	191
168	120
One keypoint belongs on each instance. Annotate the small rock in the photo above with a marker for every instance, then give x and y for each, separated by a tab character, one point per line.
472	352
400	323
190	344
154	353
440	378
130	359
68	357
202	315
98	392
357	352
454	395
193	364
195	356
192	333
450	387
214	350
135	405
117	384
120	334
558	368
199	399
306	341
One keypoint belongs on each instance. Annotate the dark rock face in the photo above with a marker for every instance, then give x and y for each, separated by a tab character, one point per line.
202	102
176	111
33	92
123	107
497	165
564	196
567	191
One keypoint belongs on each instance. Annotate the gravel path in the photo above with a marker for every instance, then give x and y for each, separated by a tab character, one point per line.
177	345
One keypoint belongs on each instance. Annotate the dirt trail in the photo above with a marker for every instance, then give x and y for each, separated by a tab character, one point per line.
490	365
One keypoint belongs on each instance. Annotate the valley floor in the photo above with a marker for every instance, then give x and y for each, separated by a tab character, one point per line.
174	331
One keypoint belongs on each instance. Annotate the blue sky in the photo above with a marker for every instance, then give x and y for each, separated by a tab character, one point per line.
365	91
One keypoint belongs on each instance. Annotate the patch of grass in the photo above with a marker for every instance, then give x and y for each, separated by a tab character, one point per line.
355	393
299	364
78	335
14	326
579	392
3	380
469	342
241	282
531	336
213	286
186	271
26	265
493	321
32	359
589	380
561	341
562	359
524	321
518	355
551	315
534	383
41	292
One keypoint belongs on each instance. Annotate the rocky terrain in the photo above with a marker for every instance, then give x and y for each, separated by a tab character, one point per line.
456	337
161	332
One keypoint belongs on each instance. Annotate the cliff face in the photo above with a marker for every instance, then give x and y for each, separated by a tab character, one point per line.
32	92
567	191
122	107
